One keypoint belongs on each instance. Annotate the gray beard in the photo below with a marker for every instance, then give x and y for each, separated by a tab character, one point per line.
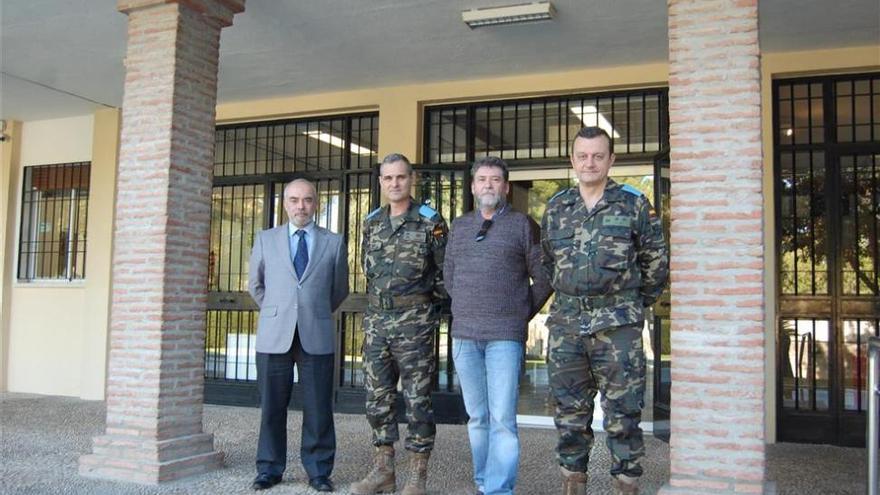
491	205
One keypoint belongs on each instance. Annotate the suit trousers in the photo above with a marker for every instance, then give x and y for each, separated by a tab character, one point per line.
318	435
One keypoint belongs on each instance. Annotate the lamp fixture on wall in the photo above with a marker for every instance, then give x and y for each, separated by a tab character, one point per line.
509	14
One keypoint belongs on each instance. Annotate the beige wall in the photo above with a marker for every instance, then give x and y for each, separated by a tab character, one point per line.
57	330
10	152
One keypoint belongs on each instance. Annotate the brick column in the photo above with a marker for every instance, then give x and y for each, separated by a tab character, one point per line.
717	443
162	220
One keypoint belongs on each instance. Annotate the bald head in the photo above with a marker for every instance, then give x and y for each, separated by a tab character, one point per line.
300	201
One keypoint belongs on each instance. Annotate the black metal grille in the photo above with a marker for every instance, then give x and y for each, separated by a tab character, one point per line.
827	136
360	201
352	337
801	113
803	221
860	224
306	145
858	109
54	213
236	218
827	155
230	339
542	128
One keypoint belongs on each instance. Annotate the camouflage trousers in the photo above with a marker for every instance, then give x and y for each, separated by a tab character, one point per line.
610	361
400	345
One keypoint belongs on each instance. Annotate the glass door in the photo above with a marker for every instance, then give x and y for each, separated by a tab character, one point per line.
530	190
529	193
827	194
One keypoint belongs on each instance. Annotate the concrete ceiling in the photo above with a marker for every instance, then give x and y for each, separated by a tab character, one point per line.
64	57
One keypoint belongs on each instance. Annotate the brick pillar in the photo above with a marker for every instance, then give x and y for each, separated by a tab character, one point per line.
716	168
162	220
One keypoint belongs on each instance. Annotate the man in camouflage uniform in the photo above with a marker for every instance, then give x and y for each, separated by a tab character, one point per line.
402	257
605	252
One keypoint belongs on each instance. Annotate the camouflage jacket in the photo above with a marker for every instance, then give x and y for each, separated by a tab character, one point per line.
605	264
404	256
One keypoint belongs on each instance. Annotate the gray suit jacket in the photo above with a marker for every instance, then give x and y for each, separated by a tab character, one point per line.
287	303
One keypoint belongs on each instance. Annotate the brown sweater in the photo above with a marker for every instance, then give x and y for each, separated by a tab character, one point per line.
492	298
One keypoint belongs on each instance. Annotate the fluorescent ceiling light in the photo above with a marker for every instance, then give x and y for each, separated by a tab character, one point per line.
338	142
510	14
591	117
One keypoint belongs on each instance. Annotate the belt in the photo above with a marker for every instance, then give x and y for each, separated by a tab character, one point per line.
385	302
590	303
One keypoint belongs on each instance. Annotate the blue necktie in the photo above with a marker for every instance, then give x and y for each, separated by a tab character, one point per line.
301	260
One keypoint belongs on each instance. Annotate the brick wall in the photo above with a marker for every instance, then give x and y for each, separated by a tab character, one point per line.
717	248
155	375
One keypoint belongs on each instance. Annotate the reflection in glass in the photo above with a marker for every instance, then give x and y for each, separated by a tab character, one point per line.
804	351
857	105
855	362
230	340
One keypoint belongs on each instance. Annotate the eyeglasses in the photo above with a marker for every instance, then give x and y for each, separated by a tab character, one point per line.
483	230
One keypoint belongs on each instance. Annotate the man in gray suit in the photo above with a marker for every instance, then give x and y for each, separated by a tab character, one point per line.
298	277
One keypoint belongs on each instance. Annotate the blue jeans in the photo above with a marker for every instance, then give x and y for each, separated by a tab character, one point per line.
488	372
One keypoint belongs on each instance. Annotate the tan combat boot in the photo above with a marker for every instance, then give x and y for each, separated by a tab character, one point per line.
625	485
380	479
573	483
418	474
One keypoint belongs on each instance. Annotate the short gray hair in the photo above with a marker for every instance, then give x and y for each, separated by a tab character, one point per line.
491	161
396	157
303	180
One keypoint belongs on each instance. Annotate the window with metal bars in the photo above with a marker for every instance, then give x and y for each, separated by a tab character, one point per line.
54	210
542	128
300	145
827	133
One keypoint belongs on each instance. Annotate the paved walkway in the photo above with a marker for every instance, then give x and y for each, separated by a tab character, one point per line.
42	437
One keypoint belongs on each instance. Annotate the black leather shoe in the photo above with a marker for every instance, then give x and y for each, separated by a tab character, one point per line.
321	484
265	481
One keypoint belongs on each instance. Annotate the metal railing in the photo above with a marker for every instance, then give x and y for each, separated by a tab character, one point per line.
873	415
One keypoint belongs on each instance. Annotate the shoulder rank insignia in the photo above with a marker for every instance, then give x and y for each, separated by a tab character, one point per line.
427	212
630	189
560	193
374	213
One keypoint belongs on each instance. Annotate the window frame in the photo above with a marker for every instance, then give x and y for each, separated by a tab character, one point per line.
75	187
